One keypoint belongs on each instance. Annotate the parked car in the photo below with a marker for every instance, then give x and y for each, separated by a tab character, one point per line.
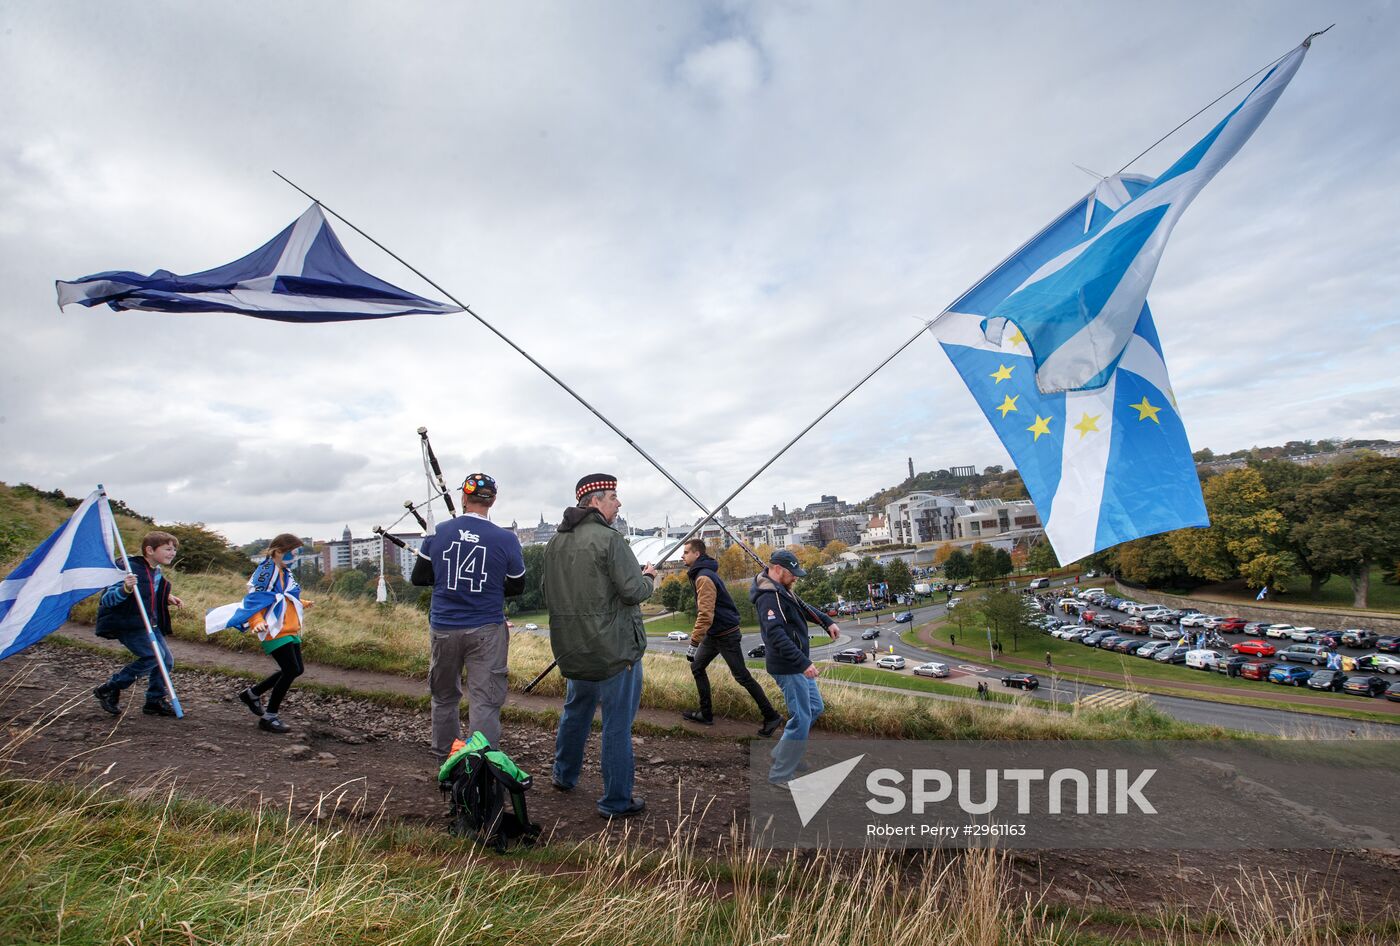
931	669
1256	628
1257	669
1230	666
851	655
1163	632
1279	631
532	627
1302	634
1130	646
678	636
960	587
1361	685
1076	634
1213	622
1039	583
1255	648
1355	637
1290	676
1172	655
1329	639
1105	620
1201	659
1392	692
1150	648
759	652
1327	680
1314	654
870	633
1382	662
890	662
1136	625
1194	620
1026	681
1389	644
904	617
1230	626
953	603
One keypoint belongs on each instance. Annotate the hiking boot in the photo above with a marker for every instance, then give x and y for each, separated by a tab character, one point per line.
160	707
695	716
107	699
252	701
636	808
560	786
270	723
771	725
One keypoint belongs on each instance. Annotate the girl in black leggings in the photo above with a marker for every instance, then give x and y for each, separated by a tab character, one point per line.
278	626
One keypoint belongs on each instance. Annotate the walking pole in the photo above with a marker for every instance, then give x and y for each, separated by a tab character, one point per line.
145	619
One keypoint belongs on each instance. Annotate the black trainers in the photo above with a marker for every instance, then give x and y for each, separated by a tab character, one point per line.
636	808
252	701
158	708
560	786
107	699
695	716
771	726
270	723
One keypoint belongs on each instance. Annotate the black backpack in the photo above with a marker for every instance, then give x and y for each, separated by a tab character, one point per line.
478	781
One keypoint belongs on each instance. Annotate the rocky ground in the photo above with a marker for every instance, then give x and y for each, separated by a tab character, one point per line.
357	757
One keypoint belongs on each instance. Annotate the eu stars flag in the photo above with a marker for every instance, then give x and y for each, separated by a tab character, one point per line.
73	563
1102	466
301	275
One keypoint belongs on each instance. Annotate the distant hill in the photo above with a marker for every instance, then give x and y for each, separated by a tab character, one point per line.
991	483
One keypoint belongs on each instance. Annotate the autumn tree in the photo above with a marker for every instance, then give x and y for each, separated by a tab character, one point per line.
1354	521
1152	561
734	563
1247	536
833	549
1042	558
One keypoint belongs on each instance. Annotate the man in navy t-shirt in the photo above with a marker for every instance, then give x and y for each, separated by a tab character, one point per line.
473	565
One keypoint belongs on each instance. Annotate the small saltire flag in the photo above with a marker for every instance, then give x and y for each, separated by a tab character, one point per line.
301	275
73	563
1263	593
1079	307
1102	466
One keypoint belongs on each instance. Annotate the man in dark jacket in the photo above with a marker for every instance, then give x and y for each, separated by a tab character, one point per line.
716	634
593	587
119	618
783	622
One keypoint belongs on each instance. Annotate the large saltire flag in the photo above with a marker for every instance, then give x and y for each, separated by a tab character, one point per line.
301	275
76	561
1059	349
1078	307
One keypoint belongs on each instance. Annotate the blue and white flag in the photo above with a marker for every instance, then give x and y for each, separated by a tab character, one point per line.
1102	466
73	563
1078	308
1263	593
301	275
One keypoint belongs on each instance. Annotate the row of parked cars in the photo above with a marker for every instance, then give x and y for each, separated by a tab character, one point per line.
1249	660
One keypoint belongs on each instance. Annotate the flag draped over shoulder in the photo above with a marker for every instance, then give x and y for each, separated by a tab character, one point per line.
271	591
301	275
1078	307
76	561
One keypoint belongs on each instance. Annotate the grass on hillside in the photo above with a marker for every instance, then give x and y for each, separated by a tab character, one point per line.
1335	593
903	681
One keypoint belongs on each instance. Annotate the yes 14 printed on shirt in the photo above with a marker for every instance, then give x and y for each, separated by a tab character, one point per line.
472	557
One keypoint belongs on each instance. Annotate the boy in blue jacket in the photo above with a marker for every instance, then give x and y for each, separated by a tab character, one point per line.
118	618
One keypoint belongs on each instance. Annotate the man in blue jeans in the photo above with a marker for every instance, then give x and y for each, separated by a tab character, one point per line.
593	587
783	622
119	618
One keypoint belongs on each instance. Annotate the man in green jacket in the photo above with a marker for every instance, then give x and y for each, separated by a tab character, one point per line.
593	587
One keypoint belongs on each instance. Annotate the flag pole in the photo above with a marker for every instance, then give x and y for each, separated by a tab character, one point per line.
145	619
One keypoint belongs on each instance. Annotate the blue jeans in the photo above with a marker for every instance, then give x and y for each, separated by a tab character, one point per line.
620	695
804	705
145	664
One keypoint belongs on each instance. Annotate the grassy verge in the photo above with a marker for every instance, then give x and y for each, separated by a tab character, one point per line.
1335	593
926	685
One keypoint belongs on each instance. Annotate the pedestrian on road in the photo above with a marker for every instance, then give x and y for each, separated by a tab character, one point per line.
952	641
783	621
594	587
717	634
1049	662
472	565
118	618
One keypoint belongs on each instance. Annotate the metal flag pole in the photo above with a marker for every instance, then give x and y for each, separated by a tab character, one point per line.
145	619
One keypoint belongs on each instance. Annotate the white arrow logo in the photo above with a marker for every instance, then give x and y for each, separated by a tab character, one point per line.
812	791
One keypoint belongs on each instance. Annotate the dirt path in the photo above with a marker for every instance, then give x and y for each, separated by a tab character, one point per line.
355	755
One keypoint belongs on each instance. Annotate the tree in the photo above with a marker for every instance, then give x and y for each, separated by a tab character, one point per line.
984	562
815	589
1042	557
958	566
1355	521
1004	565
853	586
1152	561
1247	536
808	557
872	570
734	563
898	577
1005	612
349	583
833	549
532	598
669	594
203	549
940	554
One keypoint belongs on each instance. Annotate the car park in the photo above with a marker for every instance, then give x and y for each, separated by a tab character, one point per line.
890	662
1201	659
851	655
1361	685
1026	681
1382	662
678	636
1354	637
1290	676
1255	648
931	669
1314	654
1257	669
1327	680
1230	666
904	617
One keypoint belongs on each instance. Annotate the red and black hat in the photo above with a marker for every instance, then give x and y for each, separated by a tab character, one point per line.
594	482
479	486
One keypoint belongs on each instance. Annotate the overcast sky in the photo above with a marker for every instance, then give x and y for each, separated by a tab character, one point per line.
709	219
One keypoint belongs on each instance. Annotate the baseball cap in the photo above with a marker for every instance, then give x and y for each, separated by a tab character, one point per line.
789	561
479	486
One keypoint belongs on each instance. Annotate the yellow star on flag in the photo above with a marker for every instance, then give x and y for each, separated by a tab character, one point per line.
1087	424
1041	426
1002	374
1008	405
1146	410
1018	338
